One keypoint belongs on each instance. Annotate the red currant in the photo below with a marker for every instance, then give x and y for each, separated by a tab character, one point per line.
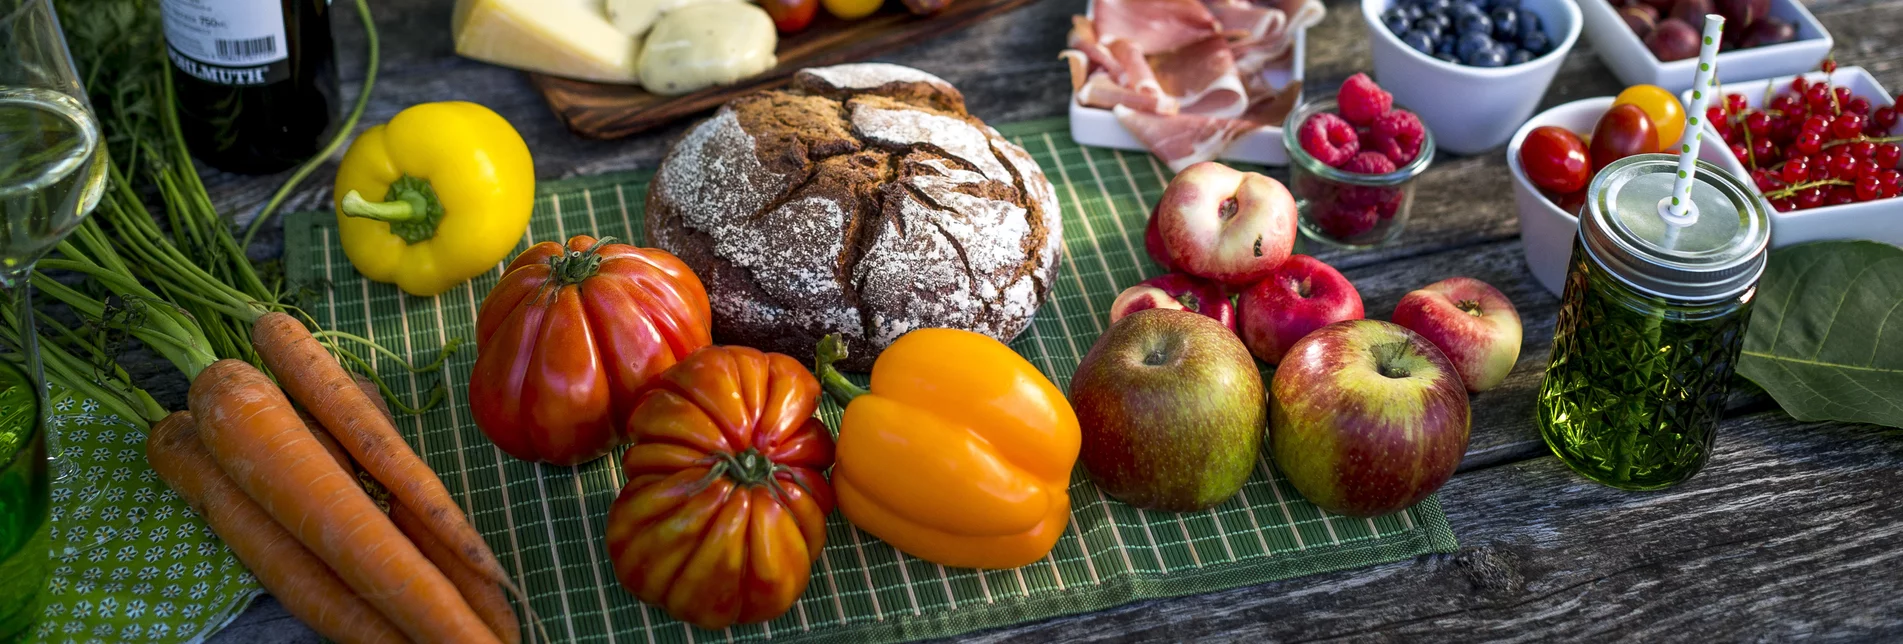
1735	103
1885	117
1809	198
1819	98
1857	105
1867	168
1783	204
1795	170
1887	155
1891	181
1847	126
1798	84
1840	195
1868	189
1829	67
1860	149
1842	94
1817	123
1757	123
1808	142
1786	103
1844	167
1764	152
1820	166
1738	151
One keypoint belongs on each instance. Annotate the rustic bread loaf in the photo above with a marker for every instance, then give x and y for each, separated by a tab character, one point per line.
861	201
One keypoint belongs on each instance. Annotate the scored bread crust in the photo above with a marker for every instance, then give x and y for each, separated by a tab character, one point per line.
862	201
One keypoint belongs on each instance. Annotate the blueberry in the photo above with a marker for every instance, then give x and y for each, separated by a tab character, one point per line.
1410	12
1496	4
1461	11
1445	47
1520	56
1436	6
1470	43
1475	23
1447	57
1506	23
1395	20
1529	23
1446	23
1535	42
1430	27
1421	42
1492	55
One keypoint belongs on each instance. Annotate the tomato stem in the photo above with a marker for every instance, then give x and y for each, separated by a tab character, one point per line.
576	265
831	350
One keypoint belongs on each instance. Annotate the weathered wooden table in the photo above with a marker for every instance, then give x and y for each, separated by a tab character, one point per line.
1794	529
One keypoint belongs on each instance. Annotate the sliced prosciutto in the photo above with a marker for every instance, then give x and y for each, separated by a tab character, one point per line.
1182	140
1154	25
1101	92
1201	78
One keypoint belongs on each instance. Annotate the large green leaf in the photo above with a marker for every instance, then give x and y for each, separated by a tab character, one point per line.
1826	340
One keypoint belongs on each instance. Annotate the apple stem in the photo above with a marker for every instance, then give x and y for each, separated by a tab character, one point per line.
1472	307
831	350
1386	354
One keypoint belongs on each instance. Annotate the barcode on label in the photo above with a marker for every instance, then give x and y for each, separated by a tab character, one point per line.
246	48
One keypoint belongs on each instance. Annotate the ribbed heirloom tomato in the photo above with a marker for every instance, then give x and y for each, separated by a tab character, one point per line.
570	335
725	508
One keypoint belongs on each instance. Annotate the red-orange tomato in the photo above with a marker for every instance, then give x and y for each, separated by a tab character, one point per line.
568	338
725	508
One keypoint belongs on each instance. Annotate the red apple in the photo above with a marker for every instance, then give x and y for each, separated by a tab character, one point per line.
1176	291
1302	295
1153	244
1224	224
1171	410
1367	418
1471	322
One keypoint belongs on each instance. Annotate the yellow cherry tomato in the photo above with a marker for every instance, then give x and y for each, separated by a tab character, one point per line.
1667	114
851	9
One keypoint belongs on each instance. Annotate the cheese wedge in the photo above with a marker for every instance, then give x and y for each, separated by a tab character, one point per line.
568	38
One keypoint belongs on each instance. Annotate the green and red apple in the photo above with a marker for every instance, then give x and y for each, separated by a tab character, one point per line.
1223	224
1176	291
1471	322
1367	418
1303	294
1171	408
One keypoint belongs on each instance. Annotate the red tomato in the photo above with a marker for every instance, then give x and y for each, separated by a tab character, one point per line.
1623	131
1555	159
790	16
725	508
568	338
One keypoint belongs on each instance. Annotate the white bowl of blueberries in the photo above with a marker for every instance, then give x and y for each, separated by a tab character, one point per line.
1473	69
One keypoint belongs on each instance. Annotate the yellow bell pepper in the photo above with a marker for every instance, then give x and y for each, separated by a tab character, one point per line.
960	454
455	187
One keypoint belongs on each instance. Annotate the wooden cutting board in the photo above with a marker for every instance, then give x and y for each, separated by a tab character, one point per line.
603	111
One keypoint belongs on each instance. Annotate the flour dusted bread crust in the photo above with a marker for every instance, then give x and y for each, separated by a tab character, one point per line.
861	201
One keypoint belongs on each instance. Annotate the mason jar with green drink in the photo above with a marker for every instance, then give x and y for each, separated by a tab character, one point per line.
1651	322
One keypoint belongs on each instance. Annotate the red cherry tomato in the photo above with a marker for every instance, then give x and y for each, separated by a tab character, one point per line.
1555	159
790	15
1625	130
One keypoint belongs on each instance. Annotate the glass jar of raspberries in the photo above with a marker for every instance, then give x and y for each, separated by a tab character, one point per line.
1814	145
1353	158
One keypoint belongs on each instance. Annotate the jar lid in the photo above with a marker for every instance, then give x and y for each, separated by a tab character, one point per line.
1716	256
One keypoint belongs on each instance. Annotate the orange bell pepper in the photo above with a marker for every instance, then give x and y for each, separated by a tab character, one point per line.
960	454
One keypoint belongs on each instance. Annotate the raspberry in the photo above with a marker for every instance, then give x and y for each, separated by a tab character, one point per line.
1369	163
1346	222
1362	101
1329	139
1398	135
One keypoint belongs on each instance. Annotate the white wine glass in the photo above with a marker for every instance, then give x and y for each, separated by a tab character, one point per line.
51	176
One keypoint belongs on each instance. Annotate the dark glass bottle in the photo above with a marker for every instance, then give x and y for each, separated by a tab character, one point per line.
256	80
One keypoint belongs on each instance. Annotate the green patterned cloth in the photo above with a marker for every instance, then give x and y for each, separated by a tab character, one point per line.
547	523
131	563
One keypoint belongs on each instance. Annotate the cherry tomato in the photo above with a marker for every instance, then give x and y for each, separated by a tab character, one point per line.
1555	159
1664	110
852	9
1625	130
1570	202
790	16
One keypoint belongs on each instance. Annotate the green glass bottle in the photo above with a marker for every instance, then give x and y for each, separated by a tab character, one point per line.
1650	324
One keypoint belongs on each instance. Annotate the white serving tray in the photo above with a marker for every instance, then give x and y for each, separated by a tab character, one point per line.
1099	127
1635	65
1880	220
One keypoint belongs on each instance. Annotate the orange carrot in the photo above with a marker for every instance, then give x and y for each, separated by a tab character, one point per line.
316	380
299	580
482	594
325	439
255	436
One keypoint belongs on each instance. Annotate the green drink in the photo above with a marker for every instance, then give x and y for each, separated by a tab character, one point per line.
1650	325
23	505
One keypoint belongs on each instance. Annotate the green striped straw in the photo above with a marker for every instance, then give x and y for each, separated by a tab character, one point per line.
1680	213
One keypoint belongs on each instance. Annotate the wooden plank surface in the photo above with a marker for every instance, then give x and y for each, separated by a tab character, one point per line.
1793	530
602	111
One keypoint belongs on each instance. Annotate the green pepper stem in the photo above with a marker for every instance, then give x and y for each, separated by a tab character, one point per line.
831	350
394	211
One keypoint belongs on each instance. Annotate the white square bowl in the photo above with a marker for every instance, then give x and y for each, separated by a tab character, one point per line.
1263	146
1546	231
1635	65
1880	220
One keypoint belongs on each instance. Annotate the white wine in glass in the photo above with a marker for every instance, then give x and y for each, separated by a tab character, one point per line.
52	173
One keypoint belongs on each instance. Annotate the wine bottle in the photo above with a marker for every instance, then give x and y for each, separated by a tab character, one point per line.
256	80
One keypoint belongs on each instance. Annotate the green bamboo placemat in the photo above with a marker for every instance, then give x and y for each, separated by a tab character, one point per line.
547	523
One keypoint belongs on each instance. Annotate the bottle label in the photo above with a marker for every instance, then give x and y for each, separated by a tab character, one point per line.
228	42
